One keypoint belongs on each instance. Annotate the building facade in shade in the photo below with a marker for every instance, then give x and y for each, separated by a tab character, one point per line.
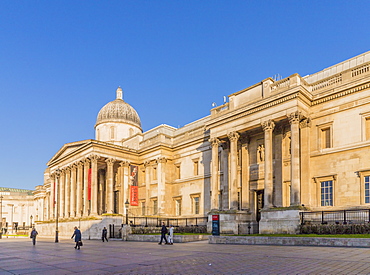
274	145
17	209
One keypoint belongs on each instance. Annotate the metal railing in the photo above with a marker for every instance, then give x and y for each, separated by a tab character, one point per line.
356	216
157	221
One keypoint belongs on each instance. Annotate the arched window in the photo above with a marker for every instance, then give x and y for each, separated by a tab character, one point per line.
131	132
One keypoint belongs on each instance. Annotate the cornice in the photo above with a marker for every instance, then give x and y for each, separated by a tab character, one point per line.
254	108
339	94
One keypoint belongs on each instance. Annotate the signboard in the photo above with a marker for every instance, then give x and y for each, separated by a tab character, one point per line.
134	190
216	225
134	196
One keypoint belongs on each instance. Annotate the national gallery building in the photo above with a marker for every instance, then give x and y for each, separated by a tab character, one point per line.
272	150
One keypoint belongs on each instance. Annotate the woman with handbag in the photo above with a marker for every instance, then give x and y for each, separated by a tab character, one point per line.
77	235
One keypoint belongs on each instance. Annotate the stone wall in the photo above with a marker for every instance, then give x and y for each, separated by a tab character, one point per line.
279	221
90	229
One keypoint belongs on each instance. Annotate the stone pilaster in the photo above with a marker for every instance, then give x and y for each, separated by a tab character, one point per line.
233	137
215	142
161	176
268	126
306	186
295	190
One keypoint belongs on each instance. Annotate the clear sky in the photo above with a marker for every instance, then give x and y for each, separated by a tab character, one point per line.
61	61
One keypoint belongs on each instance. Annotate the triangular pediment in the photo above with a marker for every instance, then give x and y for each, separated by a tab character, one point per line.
68	149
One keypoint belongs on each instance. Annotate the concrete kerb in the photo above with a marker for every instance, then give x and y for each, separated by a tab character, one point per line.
290	241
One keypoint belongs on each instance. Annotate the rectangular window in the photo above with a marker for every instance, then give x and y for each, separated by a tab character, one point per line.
143	208
177	171
196	167
327	193
326	138
367	189
196	205
154	173
178	207
367	128
155	207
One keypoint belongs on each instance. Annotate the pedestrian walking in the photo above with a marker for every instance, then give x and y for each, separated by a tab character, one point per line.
163	234
104	234
170	235
77	236
33	235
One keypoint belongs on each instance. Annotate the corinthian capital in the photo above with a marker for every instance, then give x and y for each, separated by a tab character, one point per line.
214	141
305	123
110	161
161	160
268	125
94	158
124	163
295	117
233	136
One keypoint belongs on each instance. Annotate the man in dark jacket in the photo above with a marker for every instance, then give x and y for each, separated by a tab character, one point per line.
77	235
104	234
163	234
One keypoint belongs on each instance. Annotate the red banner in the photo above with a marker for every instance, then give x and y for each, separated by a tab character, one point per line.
134	195
89	185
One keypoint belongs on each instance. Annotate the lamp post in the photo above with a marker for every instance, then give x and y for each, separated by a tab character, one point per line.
1	216
57	206
127	204
31	217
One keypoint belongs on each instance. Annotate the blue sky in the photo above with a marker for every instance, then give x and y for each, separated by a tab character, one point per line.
61	61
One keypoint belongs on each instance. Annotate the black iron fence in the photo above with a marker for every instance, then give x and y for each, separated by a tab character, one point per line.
177	222
356	216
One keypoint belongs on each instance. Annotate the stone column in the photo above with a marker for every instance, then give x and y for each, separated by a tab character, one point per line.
79	195
306	185
94	184
161	176
72	209
278	167
86	206
51	213
295	190
126	178
102	191
61	197
110	203
245	177
233	186
268	126
215	142
67	192
147	186
56	202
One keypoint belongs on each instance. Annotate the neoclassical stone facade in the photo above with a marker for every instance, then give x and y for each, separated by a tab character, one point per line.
274	145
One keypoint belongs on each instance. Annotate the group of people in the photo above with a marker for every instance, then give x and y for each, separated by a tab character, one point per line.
169	233
78	237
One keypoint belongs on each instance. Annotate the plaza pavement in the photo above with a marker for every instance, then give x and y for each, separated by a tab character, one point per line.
19	256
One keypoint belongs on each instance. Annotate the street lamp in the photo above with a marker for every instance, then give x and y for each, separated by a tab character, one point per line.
57	206
127	204
31	217
1	216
